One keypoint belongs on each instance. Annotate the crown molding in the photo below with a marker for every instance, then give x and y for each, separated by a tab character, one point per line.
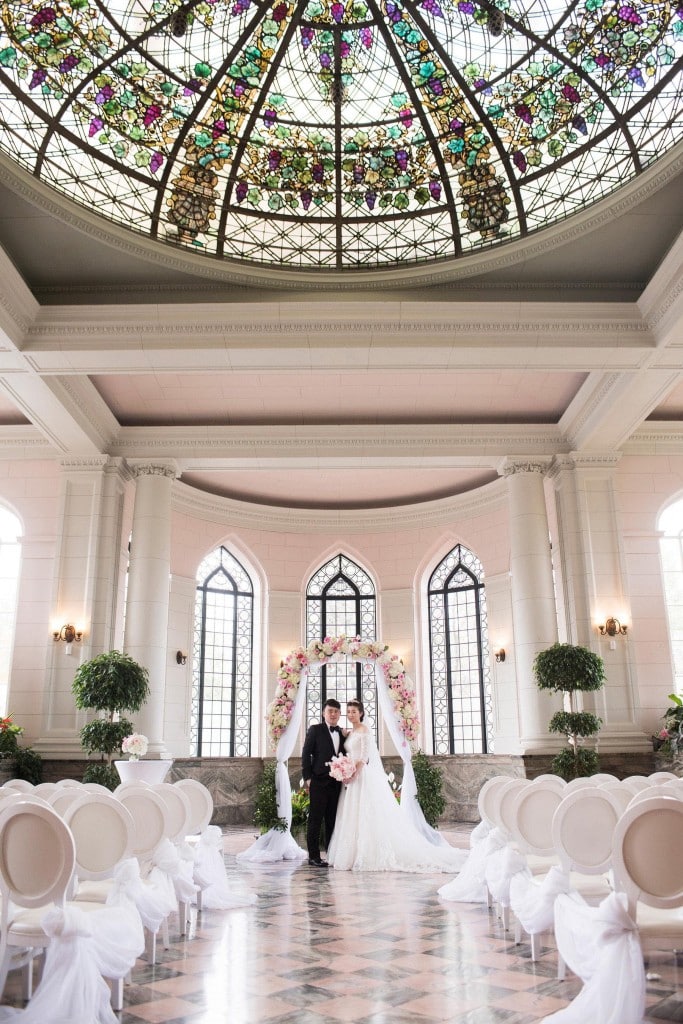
441	512
656	437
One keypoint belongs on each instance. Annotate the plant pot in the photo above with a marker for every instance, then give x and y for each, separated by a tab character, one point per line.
143	771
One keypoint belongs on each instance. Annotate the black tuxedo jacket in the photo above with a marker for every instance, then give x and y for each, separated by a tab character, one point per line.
318	749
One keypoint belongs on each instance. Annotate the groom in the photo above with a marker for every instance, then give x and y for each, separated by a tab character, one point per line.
320	746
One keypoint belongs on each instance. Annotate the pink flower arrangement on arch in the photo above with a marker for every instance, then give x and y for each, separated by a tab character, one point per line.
400	687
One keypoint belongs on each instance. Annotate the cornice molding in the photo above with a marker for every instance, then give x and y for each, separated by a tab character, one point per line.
583	460
663	437
87	464
507	255
442	512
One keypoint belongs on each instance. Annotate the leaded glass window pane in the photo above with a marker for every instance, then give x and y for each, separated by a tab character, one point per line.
222	658
372	133
340	599
460	674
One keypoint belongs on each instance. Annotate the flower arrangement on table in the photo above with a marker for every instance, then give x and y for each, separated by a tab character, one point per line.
280	710
342	768
135	746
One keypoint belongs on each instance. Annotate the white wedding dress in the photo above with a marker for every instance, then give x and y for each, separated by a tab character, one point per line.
370	833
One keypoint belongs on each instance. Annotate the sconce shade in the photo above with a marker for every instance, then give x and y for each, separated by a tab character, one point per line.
500	655
181	657
612	626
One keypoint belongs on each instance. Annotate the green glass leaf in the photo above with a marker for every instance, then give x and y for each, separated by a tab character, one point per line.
8	57
202	140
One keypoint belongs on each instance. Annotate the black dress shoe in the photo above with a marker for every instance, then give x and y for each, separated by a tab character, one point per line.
316	862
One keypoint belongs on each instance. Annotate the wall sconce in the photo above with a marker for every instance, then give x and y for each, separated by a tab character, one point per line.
611	627
181	657
500	655
68	634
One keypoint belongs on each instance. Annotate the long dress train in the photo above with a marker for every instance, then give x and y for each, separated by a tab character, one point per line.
370	833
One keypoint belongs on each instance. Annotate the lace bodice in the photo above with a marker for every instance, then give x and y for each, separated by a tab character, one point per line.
357	745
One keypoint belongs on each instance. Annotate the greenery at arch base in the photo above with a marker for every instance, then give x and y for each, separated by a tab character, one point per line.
111	683
428	779
569	669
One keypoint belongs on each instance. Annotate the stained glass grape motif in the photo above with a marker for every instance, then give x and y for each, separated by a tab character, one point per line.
318	133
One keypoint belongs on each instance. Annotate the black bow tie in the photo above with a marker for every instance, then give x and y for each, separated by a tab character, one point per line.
334	728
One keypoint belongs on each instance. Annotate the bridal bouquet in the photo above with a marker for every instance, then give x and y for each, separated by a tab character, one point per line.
342	768
135	746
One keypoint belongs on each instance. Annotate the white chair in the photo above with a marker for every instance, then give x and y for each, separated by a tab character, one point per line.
620	791
648	867
658	777
601	777
62	798
637	782
673	792
20	785
44	789
487	801
37	858
584	782
583	835
201	805
179	815
102	830
151	826
68	784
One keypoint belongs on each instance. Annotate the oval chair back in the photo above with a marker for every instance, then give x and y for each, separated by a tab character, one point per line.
620	791
487	795
44	789
68	784
103	832
637	782
178	807
37	855
61	799
201	804
658	777
585	782
664	789
150	818
583	830
533	812
647	861
504	803
20	785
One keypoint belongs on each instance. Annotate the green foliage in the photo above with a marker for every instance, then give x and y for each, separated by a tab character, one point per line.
429	781
300	807
566	668
102	773
103	736
28	765
265	808
9	737
111	682
575	723
575	763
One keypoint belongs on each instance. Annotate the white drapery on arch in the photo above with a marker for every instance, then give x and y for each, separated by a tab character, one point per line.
278	845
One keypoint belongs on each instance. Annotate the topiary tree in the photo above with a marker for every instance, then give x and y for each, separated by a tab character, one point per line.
567	669
111	683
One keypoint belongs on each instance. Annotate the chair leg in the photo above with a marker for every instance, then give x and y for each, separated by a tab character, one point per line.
116	985
27	979
164	934
561	967
534	945
199	901
151	947
505	917
183	916
518	932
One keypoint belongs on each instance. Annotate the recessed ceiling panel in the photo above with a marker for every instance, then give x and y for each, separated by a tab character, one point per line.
240	399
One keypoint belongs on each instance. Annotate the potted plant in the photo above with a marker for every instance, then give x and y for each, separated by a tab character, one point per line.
568	669
668	742
111	684
429	782
18	762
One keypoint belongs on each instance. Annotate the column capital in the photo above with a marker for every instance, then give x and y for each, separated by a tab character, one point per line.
512	464
156	467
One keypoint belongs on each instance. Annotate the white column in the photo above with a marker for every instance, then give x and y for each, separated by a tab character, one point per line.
147	601
596	585
85	589
534	616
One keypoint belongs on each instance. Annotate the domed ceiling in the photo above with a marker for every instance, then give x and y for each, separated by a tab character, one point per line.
329	135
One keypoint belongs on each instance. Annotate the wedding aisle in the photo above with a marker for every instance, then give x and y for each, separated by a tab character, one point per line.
324	947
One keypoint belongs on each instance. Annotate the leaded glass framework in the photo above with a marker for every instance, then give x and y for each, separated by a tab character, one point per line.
462	714
222	658
336	135
340	599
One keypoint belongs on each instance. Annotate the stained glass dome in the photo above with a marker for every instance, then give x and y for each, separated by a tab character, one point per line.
337	135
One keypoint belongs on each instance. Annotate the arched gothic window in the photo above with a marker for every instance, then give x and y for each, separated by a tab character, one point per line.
222	658
10	562
671	548
460	676
340	599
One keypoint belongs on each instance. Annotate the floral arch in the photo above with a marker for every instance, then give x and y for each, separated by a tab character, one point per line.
396	698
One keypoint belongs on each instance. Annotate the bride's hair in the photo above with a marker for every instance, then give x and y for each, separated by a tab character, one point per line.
357	704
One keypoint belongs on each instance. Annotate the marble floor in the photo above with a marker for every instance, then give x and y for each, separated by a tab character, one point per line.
324	947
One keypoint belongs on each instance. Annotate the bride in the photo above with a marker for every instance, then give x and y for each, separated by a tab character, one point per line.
370	833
